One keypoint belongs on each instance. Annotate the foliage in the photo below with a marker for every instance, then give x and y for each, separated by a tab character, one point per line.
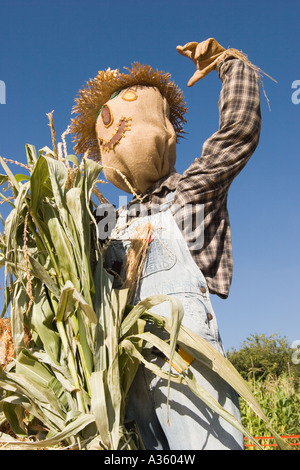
280	401
69	385
266	363
260	356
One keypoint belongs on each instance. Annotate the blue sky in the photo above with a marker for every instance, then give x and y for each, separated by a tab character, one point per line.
49	49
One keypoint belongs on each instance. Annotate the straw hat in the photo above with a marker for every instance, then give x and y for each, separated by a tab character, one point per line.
98	91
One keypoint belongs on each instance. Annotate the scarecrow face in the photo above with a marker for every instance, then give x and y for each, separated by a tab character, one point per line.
136	138
108	120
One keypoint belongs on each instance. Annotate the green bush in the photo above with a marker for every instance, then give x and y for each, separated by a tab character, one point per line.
280	402
266	364
261	355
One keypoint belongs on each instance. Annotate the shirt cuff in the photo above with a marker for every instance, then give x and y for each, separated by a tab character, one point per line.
221	70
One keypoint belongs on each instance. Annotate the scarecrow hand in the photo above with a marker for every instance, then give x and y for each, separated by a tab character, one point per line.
205	56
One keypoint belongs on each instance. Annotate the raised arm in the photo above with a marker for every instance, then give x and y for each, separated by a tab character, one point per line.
227	151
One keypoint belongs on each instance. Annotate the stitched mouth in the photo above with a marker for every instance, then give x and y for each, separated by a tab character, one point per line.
123	126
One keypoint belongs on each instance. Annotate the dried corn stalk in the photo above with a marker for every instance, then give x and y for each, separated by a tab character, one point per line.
6	342
86	343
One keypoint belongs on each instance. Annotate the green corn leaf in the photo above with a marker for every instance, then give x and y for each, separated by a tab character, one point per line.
72	429
3	179
64	251
60	371
19	302
31	155
68	297
142	307
15	413
101	406
37	180
42	317
38	372
128	364
20	178
73	159
10	175
40	273
40	400
82	237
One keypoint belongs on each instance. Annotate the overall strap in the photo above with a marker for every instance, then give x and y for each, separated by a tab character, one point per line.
168	201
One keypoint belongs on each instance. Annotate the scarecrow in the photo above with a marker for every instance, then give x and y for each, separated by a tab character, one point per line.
174	236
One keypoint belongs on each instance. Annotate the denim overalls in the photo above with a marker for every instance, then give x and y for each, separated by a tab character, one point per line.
170	269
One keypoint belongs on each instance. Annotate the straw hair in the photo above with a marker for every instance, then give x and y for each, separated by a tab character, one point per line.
99	90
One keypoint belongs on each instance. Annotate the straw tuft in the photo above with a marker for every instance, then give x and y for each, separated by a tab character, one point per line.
136	257
242	56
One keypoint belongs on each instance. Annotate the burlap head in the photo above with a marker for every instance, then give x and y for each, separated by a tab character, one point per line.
136	138
98	91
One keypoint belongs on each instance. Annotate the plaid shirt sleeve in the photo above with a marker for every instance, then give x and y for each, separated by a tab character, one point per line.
227	151
224	155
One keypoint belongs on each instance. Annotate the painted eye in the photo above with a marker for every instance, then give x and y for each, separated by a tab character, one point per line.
107	116
129	95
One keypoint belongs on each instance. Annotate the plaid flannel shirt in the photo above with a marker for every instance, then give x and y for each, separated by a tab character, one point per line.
206	182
